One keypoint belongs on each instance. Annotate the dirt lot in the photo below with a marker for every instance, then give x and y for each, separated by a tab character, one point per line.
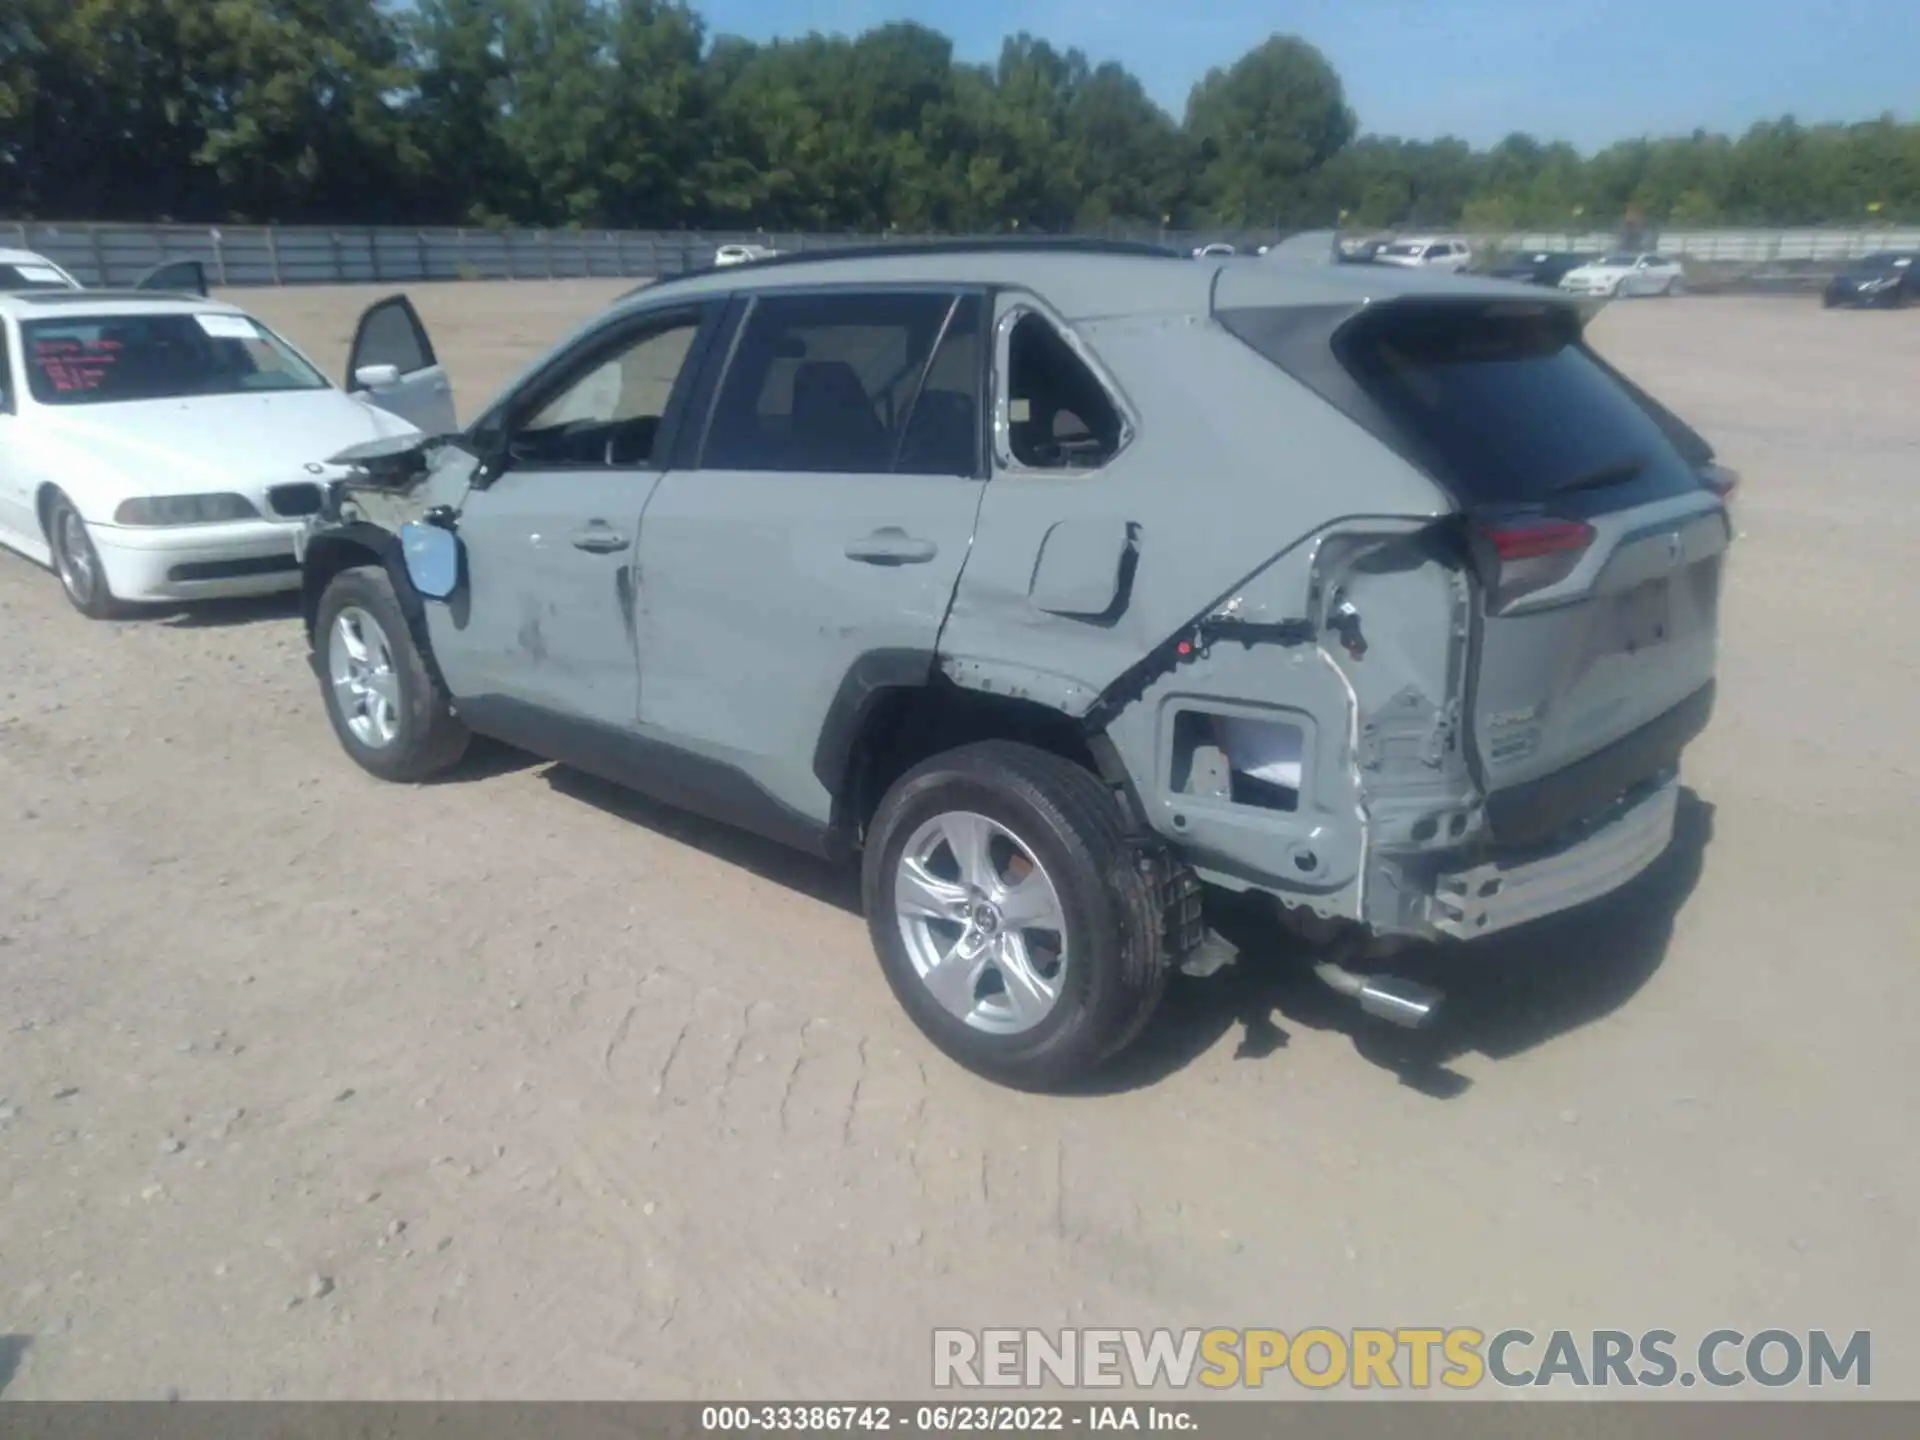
518	1087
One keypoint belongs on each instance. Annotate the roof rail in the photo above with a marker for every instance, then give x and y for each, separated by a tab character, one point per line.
83	296
983	245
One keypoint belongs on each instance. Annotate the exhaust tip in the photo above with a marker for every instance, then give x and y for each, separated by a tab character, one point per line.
1399	1002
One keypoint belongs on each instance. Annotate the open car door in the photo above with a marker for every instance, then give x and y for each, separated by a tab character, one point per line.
176	277
392	365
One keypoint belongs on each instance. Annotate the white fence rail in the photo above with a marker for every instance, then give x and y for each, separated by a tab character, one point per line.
240	255
1734	247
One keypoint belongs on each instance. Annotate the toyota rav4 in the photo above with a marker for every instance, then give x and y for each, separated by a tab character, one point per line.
1066	585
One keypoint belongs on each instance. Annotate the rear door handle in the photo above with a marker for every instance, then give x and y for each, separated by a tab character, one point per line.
600	538
891	546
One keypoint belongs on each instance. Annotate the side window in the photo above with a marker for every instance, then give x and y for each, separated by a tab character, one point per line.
825	383
942	435
392	337
609	417
1059	415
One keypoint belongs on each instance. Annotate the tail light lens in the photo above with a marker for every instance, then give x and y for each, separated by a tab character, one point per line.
1520	556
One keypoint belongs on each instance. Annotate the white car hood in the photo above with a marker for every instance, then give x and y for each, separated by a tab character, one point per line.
242	443
1601	271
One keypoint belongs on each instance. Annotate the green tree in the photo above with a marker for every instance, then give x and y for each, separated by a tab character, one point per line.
456	51
1263	126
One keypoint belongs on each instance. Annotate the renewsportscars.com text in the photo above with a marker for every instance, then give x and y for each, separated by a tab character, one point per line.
1460	1358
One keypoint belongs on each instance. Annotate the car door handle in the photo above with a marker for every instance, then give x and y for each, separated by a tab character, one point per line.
891	546
600	538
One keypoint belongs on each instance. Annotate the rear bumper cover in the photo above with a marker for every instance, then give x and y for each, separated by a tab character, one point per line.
1540	810
1502	893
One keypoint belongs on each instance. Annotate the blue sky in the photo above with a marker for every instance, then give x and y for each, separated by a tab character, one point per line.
1589	72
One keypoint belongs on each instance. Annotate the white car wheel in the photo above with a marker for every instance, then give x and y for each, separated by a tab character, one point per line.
77	563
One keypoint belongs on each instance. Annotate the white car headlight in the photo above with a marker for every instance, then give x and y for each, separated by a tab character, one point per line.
184	510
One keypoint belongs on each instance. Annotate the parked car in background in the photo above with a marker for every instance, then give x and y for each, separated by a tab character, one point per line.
1613	276
1539	267
1409	646
1363	251
730	255
1214	249
1426	253
1888	280
153	447
24	270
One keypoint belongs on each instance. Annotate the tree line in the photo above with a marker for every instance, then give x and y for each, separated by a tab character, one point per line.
629	114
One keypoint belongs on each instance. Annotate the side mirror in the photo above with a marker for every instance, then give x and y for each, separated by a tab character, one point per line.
432	555
376	377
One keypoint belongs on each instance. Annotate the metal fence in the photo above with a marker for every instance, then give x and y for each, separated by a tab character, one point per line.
1735	247
245	255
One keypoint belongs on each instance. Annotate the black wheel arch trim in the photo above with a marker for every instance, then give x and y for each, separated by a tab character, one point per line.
868	680
330	550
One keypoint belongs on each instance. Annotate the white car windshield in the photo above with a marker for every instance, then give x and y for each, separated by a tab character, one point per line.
1617	261
1403	249
105	359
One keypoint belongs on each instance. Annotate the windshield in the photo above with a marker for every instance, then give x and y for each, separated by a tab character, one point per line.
106	359
1887	260
1617	260
1403	249
27	276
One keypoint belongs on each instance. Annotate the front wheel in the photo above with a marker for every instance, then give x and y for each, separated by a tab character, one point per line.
1012	915
387	709
77	563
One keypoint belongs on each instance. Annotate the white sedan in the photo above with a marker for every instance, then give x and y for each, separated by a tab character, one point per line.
730	255
24	270
166	448
1624	274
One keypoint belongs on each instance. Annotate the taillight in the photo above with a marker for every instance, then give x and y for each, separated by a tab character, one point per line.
1519	556
1719	479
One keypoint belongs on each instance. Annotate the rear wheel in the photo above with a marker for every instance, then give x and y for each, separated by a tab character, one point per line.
386	707
1011	914
77	563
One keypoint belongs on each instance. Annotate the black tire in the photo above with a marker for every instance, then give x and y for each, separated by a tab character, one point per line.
83	579
427	740
1117	967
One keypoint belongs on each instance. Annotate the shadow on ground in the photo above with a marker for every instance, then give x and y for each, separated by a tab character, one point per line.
13	1349
224	614
836	885
1505	995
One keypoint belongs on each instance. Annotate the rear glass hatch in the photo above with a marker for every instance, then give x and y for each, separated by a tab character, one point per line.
1587	512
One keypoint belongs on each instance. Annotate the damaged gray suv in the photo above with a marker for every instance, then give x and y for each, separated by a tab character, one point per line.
1067	585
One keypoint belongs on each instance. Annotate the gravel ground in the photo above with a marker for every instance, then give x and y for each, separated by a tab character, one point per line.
519	1087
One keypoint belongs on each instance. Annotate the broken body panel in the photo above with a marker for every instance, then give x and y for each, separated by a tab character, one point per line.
1312	680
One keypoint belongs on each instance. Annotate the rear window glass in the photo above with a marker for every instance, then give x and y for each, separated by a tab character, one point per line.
1507	405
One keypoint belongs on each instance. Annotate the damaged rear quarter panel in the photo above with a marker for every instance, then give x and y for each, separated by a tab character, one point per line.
1239	488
